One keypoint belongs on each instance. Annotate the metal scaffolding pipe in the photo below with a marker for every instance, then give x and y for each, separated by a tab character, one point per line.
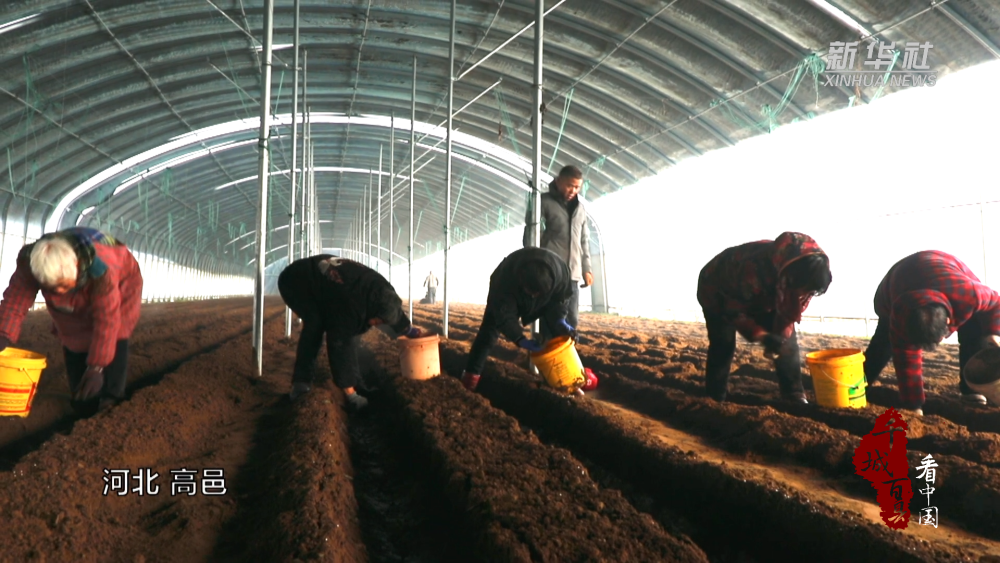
368	221
305	128
481	94
536	153
409	251
378	209
313	196
263	145
538	18
304	222
295	141
392	178
447	196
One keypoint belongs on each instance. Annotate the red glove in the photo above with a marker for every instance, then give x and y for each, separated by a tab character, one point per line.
591	383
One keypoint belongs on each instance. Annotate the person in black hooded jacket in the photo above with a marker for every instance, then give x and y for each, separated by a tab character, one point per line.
343	299
530	284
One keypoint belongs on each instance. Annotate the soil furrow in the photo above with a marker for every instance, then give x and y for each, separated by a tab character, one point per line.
521	500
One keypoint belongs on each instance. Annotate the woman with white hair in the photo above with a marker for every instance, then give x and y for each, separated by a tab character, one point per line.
93	290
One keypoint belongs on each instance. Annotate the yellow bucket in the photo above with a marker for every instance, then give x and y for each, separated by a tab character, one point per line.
20	371
560	365
838	377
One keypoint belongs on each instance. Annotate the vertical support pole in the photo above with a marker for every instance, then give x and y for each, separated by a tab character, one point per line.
536	153
392	183
982	226
413	146
295	145
313	199
305	143
368	221
447	197
263	146
378	213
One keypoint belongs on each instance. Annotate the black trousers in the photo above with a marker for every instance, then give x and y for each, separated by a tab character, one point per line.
114	374
722	348
487	337
296	290
879	350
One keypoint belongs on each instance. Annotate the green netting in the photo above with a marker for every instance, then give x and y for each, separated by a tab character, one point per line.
562	128
506	121
812	64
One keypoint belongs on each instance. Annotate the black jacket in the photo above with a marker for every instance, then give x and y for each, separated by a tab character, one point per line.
342	294
507	302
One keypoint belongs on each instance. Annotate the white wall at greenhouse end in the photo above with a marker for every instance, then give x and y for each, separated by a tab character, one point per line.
470	266
165	280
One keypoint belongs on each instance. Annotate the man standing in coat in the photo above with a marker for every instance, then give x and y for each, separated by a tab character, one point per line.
923	299
93	290
530	284
564	231
431	283
760	289
342	299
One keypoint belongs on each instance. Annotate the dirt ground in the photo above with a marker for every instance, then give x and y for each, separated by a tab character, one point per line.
646	468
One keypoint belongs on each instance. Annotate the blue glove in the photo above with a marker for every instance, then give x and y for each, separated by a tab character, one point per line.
565	328
529	345
414	332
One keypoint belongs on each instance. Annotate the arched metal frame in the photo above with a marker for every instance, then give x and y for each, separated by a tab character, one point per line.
102	83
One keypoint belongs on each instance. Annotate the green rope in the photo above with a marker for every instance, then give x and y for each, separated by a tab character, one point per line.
562	127
811	64
10	173
886	77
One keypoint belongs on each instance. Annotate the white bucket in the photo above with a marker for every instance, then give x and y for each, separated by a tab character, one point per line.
982	374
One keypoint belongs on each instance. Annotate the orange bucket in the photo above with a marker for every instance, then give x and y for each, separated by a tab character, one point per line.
419	358
20	371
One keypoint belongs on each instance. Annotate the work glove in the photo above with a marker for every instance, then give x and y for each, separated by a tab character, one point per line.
772	345
529	345
4	343
91	384
415	332
565	328
470	380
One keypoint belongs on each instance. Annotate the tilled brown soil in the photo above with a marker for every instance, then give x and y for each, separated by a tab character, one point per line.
654	369
644	469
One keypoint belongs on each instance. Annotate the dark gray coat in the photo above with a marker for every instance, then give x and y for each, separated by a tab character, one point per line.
566	235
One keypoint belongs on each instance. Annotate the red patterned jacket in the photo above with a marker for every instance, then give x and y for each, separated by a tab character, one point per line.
742	282
925	278
104	307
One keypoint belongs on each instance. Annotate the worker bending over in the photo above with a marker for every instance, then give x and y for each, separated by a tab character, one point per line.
530	284
93	291
922	300
760	289
343	299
